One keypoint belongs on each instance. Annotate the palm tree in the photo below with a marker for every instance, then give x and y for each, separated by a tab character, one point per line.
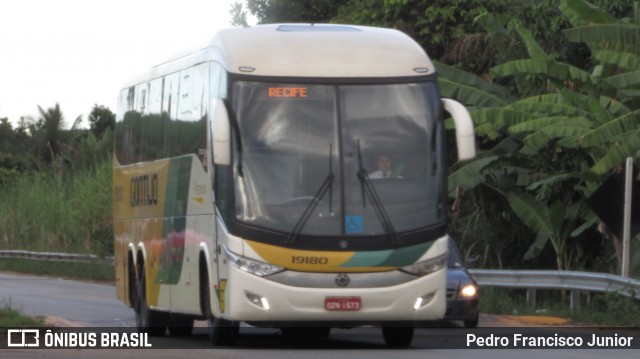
51	125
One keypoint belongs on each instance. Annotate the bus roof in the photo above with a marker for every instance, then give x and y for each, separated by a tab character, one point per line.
307	50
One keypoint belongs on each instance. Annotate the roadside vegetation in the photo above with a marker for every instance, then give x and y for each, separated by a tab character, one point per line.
55	184
11	317
606	309
97	271
553	87
44	212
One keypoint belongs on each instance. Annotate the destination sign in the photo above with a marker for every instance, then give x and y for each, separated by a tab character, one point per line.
288	91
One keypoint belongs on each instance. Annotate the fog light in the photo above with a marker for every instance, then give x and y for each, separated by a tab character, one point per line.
424	300
257	300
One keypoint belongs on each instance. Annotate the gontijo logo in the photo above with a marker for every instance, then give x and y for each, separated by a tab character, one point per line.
144	190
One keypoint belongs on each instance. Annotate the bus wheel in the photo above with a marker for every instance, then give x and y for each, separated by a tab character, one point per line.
180	326
397	336
222	331
147	320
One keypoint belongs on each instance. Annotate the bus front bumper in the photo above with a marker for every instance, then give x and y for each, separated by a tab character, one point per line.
255	299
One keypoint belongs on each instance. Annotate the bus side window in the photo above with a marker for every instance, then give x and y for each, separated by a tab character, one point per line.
139	136
170	111
153	126
123	135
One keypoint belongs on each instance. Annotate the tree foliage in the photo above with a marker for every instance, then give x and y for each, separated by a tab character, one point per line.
238	15
47	145
311	11
100	119
436	25
55	183
575	125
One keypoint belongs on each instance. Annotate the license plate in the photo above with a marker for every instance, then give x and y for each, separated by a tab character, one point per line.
342	303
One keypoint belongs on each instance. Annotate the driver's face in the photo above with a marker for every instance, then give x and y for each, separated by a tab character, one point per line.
384	163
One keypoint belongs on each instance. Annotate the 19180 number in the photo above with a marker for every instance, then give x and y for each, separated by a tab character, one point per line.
309	260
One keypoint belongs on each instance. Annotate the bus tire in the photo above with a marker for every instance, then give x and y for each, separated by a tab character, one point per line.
221	331
147	320
180	326
397	336
132	287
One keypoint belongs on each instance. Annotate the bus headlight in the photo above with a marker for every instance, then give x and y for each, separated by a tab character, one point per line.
426	267
252	266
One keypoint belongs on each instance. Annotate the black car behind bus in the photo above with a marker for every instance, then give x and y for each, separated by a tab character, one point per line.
462	290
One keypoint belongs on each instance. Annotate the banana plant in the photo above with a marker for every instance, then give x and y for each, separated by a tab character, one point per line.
615	45
553	224
588	122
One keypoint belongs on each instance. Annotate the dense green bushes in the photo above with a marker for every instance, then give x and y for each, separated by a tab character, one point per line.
42	212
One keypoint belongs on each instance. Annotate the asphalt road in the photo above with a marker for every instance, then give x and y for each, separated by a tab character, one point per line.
82	304
65	302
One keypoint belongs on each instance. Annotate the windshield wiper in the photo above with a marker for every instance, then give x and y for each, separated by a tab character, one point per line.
367	189
327	185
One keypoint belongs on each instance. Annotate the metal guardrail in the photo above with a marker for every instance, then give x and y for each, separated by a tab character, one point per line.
52	256
576	282
550	279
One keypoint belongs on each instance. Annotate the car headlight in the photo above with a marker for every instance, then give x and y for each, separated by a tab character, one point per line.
252	266
426	267
468	291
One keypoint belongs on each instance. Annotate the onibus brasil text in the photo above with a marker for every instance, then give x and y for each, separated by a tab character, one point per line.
51	339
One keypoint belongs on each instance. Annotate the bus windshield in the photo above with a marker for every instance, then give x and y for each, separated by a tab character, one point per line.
338	160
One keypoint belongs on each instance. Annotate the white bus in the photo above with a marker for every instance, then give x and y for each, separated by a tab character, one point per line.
244	187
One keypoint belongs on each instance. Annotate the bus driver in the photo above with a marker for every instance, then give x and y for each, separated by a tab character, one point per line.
385	168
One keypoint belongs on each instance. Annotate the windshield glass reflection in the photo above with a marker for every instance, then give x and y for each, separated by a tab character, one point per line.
303	146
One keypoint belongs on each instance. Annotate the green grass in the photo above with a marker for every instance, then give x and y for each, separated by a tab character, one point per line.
44	212
608	309
95	271
13	318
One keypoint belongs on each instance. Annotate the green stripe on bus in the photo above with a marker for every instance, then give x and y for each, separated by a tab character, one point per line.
408	255
175	221
171	260
177	194
388	258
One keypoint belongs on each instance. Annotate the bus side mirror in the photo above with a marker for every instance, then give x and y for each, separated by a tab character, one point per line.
221	134
465	136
